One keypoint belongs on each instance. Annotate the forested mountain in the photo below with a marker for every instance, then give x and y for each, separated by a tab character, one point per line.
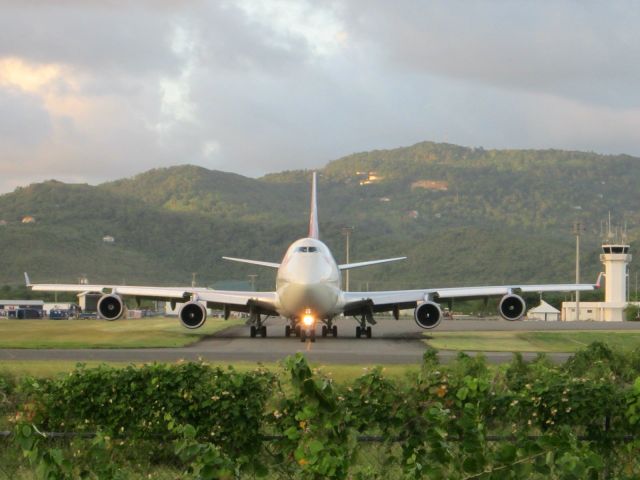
462	215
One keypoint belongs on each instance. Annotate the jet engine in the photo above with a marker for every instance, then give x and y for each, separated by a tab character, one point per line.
428	315
110	307
512	307
193	315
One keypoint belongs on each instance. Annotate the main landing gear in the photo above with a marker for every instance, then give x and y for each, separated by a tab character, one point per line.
258	330
330	329
292	328
364	330
257	327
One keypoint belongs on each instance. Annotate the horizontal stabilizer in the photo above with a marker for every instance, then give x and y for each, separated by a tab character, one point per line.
254	262
348	266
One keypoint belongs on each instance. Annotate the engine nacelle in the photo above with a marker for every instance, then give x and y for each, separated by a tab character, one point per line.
428	315
193	315
512	307
110	307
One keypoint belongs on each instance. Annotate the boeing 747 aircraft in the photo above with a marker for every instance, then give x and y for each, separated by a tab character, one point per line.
308	294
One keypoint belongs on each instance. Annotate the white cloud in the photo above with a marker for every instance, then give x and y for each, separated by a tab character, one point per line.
98	90
321	28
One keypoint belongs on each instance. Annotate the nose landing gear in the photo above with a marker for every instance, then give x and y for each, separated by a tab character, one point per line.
298	328
310	334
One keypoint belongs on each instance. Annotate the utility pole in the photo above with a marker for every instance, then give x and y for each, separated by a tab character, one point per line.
578	228
346	231
193	279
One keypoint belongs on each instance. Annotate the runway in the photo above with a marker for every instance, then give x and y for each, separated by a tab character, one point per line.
394	342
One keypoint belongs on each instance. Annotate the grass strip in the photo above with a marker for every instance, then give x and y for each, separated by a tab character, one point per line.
125	333
547	342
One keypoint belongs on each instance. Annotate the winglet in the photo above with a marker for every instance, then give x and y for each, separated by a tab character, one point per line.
600	275
27	281
314	230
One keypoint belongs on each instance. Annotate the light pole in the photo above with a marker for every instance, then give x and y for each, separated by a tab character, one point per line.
252	279
636	299
578	228
346	231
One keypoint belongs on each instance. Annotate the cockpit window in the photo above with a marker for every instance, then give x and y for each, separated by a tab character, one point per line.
302	249
313	249
307	249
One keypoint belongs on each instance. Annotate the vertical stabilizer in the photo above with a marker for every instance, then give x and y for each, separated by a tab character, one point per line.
314	230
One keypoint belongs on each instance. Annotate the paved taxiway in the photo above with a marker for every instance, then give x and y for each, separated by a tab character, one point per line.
394	342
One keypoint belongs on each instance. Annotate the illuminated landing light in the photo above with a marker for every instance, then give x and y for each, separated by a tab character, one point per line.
308	320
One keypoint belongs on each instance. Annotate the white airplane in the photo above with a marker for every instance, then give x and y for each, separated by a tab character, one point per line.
308	293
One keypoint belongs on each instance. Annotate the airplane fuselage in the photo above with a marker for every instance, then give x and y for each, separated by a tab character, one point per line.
308	281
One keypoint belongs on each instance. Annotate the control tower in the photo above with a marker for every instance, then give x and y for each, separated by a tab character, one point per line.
615	258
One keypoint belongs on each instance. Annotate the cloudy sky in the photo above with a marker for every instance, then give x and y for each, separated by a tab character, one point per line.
92	90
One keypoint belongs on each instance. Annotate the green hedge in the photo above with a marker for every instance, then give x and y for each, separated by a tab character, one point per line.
459	421
142	403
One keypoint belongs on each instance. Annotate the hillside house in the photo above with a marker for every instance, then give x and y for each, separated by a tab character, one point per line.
436	185
369	178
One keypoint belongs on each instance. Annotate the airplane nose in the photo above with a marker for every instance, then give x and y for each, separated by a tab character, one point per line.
309	294
315	296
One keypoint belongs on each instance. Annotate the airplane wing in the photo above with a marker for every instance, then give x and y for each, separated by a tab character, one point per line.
403	299
253	262
240	301
348	266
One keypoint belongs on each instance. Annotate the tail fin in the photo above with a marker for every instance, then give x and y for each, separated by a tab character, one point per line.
314	229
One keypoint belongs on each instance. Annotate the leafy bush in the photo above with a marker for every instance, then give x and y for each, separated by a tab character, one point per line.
139	403
599	362
316	431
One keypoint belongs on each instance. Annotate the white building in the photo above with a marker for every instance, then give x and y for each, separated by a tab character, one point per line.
616	259
544	312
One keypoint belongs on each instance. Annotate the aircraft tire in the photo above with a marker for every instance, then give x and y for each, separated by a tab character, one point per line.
263	331
334	331
358	331
252	331
312	336
297	330
325	330
303	336
287	331
369	332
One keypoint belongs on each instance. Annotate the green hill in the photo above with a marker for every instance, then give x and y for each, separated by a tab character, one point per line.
462	215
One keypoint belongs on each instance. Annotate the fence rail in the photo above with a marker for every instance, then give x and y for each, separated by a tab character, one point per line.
359	438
